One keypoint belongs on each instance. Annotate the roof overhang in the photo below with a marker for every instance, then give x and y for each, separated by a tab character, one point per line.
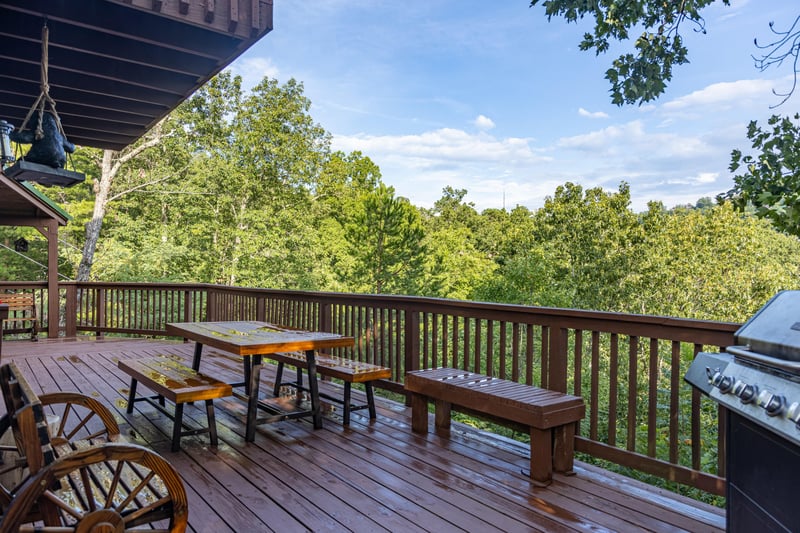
116	67
24	205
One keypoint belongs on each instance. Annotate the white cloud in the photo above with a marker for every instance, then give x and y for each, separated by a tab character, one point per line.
253	69
484	123
596	114
603	139
419	166
445	144
722	95
703	178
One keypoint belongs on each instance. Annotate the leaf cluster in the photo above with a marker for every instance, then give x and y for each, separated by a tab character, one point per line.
642	75
770	183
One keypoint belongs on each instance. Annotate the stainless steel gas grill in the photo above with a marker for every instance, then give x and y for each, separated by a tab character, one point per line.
758	382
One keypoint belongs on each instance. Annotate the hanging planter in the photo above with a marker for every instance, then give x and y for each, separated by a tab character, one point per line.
44	163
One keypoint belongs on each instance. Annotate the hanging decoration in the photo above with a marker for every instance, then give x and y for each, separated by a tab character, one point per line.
44	163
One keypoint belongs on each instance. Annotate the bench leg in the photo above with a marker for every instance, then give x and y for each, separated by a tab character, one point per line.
347	388
564	449
441	415
300	384
131	396
370	400
541	456
177	428
419	413
212	422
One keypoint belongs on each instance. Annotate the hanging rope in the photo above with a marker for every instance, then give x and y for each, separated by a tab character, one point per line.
44	96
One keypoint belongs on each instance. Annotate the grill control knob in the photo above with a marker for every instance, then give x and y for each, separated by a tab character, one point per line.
747	393
793	414
719	380
773	404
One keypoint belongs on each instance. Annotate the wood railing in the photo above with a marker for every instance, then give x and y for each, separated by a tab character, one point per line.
628	368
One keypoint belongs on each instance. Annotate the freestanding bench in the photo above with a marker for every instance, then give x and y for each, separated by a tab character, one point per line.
347	370
178	383
549	415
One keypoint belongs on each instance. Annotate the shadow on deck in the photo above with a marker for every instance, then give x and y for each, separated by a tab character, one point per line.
369	477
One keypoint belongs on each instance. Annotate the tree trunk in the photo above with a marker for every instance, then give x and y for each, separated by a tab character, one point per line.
102	188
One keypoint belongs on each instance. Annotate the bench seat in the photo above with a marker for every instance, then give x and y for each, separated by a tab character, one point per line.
172	380
549	415
347	370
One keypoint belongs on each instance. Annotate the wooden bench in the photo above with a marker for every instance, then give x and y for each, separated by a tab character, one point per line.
347	370
550	416
178	383
61	465
21	314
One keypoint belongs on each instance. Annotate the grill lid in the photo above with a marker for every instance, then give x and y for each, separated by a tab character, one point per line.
775	329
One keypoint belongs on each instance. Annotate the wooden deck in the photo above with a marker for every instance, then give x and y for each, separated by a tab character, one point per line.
370	477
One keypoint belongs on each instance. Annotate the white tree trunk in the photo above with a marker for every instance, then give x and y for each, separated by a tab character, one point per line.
102	190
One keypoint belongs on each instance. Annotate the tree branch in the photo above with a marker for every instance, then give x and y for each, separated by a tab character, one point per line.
143	185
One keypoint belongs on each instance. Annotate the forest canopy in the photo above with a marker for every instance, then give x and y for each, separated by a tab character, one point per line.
243	188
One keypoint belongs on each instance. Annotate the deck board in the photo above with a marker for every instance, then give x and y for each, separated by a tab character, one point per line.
372	476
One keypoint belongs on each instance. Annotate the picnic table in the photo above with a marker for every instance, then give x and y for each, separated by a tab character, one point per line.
254	340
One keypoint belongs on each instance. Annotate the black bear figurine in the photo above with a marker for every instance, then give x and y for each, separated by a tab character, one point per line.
51	149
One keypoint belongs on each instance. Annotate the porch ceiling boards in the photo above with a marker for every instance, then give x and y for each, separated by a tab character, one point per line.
116	67
370	477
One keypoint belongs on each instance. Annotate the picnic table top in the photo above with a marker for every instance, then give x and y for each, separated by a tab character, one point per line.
251	337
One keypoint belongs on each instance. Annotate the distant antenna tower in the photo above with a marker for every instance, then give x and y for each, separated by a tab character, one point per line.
504	198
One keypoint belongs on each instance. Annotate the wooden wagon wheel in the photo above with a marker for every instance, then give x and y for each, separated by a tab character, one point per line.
80	418
109	488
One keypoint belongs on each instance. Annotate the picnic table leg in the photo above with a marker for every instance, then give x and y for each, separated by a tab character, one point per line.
253	362
131	395
247	371
313	386
198	351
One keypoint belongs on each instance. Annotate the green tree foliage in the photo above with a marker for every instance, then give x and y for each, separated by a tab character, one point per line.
385	237
641	76
344	179
770	183
589	237
711	264
455	262
243	211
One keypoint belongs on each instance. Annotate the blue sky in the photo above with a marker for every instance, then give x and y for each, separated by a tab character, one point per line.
490	97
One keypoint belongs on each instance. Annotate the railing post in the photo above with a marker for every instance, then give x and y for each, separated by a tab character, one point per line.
211	304
71	312
261	309
411	340
410	345
325	317
557	375
100	311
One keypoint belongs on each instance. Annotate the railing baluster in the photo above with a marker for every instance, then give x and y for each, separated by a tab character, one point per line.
594	404
613	375
652	398
674	401
633	391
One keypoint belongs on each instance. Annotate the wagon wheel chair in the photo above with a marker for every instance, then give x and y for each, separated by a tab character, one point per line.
78	481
